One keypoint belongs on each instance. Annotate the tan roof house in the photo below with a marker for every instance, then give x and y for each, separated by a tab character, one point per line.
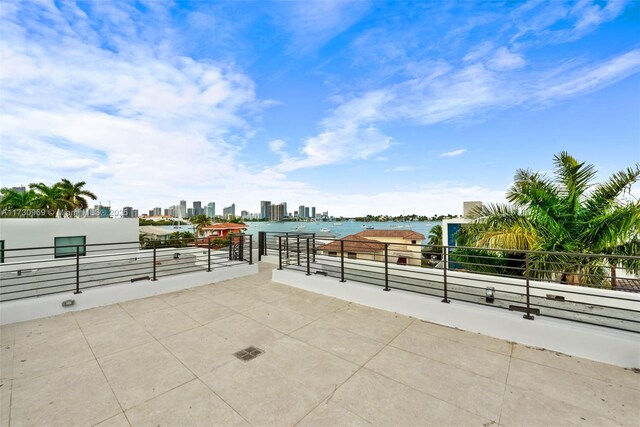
403	246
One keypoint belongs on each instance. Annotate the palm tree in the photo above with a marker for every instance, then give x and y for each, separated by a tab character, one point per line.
566	213
200	221
75	193
435	236
434	243
50	198
12	199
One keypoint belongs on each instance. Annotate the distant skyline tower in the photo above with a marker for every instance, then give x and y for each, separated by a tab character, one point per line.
210	210
277	212
301	211
197	207
183	208
229	211
313	212
265	209
306	212
127	212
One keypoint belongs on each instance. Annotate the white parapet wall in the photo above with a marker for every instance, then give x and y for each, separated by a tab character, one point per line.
51	305
20	233
601	344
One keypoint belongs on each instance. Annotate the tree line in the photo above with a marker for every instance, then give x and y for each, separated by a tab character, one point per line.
48	201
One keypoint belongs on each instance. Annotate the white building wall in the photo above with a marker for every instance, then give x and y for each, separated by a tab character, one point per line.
41	232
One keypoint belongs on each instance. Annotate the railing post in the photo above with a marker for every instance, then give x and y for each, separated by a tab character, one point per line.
250	249
279	252
298	247
230	248
77	291
386	268
314	247
208	255
308	259
154	261
444	275
241	247
286	244
527	274
342	261
260	243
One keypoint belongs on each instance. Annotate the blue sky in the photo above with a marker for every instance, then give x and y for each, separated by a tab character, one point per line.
353	107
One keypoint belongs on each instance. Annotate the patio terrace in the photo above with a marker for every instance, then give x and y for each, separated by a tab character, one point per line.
168	360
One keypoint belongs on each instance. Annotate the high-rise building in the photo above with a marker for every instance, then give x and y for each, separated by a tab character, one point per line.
189	212
277	212
313	212
157	211
244	214
265	209
150	212
197	207
306	212
101	211
135	213
210	210
183	209
127	212
229	211
285	209
301	211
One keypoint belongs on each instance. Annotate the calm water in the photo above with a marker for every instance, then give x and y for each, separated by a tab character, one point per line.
338	229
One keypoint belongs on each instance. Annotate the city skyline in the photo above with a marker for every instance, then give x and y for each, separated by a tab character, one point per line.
358	107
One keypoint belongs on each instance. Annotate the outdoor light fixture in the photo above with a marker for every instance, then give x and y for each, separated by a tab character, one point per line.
489	294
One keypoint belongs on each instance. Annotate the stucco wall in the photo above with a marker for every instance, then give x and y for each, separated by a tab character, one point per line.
40	232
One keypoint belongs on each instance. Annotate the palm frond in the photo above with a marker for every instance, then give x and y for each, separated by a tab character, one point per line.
605	195
575	178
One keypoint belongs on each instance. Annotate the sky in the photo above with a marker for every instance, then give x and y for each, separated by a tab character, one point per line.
355	107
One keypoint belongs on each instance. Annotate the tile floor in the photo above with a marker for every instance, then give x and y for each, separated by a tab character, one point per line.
168	360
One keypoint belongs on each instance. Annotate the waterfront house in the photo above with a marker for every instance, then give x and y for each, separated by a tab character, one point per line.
223	229
403	246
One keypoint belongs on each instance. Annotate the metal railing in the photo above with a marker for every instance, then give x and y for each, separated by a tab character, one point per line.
587	288
38	271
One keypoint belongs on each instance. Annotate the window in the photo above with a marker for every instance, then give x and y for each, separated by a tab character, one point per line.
352	255
1	251
66	246
333	253
413	242
402	260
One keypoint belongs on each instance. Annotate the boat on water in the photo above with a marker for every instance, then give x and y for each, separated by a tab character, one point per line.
367	226
325	230
337	223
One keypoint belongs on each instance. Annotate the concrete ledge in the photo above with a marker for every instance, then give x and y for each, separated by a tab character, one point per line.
601	344
51	305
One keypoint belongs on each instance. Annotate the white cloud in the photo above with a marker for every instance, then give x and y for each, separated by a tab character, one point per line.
138	124
348	134
504	60
314	23
587	79
277	146
441	198
454	153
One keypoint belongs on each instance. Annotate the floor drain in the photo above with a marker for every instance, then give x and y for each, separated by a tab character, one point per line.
248	353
